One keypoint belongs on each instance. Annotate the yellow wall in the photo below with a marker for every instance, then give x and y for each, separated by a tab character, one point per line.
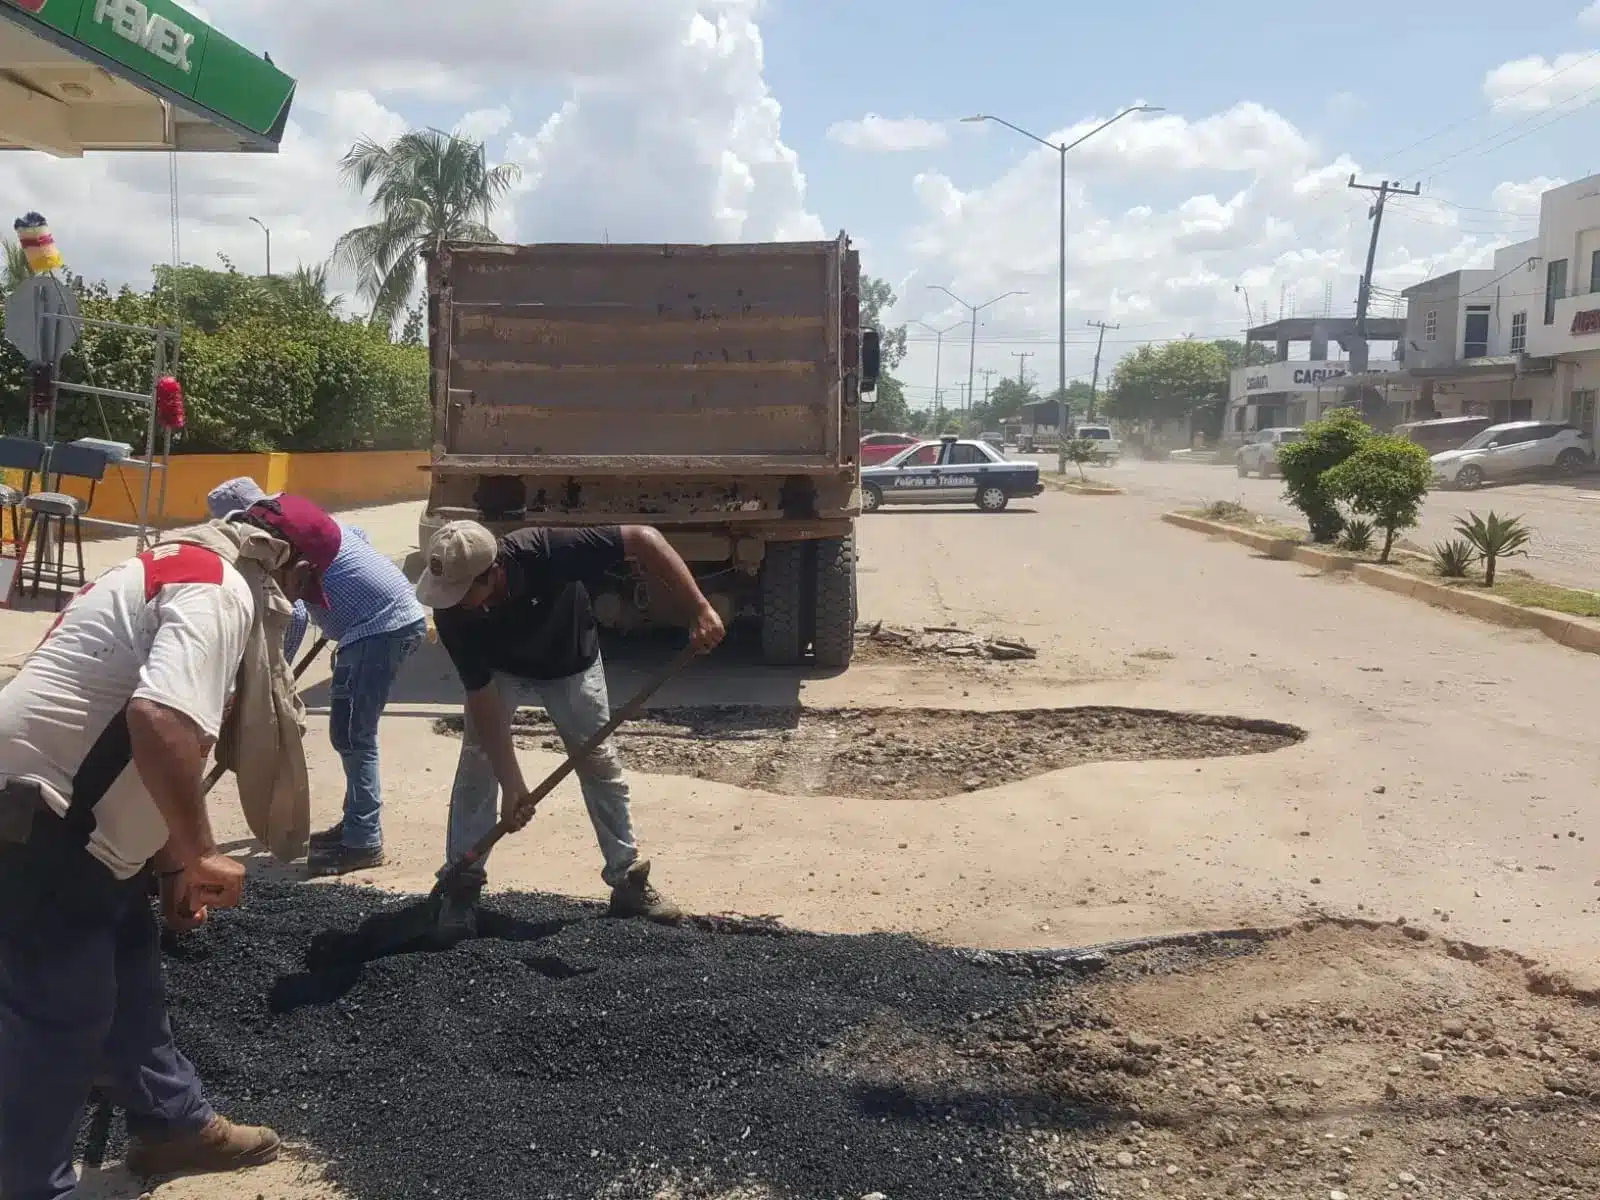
351	479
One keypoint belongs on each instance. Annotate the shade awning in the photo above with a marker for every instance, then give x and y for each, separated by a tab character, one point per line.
79	75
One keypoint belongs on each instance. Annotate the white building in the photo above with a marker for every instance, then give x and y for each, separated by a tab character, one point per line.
1562	296
1291	393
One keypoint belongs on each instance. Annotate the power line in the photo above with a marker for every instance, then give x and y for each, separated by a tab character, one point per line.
1022	357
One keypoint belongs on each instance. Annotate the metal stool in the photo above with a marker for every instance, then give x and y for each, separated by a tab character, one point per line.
49	509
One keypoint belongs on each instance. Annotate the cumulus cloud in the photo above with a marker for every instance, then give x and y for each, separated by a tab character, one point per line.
1536	83
1268	214
1590	16
888	135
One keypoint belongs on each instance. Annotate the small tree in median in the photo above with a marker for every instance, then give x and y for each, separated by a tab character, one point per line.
1385	479
1326	444
1494	538
1080	451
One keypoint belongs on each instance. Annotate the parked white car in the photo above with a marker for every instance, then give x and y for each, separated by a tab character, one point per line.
1515	449
1259	455
1107	449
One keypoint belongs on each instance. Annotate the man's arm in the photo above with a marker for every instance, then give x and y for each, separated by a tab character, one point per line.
663	565
169	752
491	722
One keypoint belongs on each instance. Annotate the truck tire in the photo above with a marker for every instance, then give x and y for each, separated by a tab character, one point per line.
783	634
833	640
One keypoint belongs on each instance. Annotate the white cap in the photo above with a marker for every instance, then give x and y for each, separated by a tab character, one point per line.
457	554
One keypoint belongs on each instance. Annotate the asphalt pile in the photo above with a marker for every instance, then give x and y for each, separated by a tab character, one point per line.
573	1056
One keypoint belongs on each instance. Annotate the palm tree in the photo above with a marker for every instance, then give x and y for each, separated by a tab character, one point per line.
427	187
306	289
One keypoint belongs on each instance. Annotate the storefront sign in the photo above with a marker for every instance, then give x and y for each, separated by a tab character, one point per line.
1300	376
1587	321
160	36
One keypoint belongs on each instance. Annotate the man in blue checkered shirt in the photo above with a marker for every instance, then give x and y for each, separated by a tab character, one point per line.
375	620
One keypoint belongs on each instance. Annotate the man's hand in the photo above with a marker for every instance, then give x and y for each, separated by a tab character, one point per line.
210	881
517	810
706	634
175	911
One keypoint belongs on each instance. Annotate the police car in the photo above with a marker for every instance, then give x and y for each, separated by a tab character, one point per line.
949	471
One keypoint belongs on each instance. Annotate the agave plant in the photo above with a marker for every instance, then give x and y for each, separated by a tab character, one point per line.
1453	559
1494	537
1357	535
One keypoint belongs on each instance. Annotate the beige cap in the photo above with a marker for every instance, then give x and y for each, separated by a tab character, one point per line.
457	554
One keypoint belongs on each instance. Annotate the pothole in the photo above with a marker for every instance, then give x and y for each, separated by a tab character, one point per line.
910	753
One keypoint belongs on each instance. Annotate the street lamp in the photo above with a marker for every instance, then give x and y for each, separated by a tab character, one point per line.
1061	283
974	309
268	232
938	352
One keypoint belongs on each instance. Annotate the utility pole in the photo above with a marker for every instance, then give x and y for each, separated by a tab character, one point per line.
1359	352
1022	357
988	373
1094	383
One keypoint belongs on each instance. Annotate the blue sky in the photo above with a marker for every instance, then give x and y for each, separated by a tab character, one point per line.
741	120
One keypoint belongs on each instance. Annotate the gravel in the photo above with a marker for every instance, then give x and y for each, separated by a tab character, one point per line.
575	1056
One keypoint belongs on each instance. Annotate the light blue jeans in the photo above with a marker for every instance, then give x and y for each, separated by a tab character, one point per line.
363	673
578	706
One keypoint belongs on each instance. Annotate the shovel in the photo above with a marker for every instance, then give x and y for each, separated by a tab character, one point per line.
417	926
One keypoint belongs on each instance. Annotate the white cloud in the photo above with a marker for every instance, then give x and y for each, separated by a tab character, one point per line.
484	123
1536	83
1267	212
1590	16
889	134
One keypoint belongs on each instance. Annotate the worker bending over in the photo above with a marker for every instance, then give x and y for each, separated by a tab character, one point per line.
516	618
373	617
104	735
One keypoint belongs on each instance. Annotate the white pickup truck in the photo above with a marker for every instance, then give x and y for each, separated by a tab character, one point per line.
1107	448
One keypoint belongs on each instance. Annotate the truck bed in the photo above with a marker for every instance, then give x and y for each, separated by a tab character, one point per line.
600	360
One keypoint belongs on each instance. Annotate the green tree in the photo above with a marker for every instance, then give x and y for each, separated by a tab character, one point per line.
888	412
877	297
1170	382
1078	394
1005	401
1326	444
1386	479
17	269
426	188
1260	353
305	290
414	331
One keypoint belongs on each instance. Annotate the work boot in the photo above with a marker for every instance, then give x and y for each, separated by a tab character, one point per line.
458	917
220	1146
339	859
635	897
333	835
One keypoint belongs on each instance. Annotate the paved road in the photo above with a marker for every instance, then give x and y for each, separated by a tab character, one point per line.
1565	518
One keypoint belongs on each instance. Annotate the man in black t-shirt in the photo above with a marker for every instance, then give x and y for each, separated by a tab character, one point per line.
515	615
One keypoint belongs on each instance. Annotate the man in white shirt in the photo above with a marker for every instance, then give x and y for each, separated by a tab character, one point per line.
104	735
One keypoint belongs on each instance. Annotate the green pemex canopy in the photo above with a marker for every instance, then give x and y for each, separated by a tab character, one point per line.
80	75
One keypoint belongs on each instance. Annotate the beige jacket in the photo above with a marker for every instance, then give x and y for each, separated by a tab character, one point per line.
261	738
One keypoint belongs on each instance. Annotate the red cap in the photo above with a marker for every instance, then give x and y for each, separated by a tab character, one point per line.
314	535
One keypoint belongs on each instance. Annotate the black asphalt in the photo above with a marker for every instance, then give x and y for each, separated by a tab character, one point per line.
575	1056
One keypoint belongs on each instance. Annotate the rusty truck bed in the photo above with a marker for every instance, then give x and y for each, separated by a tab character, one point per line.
628	360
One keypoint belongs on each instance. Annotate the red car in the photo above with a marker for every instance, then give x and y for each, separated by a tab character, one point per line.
881	447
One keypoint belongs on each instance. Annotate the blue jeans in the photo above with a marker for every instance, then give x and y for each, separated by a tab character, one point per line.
81	1000
363	673
578	706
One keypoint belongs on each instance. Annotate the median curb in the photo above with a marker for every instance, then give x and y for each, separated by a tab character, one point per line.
1575	633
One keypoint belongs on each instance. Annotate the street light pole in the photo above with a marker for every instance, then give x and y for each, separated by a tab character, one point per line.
268	232
974	310
938	353
1061	274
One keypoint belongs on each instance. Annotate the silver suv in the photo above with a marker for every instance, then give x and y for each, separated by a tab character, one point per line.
1515	449
1260	454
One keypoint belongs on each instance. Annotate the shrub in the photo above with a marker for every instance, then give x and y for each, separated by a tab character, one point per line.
1228	511
1386	479
1326	444
1080	451
1453	559
1494	537
1357	535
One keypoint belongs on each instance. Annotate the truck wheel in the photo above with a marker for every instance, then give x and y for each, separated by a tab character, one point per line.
834	601
783	575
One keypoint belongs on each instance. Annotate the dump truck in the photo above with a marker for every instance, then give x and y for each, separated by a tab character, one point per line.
712	391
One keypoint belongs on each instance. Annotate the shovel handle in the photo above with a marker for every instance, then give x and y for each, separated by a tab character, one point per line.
451	871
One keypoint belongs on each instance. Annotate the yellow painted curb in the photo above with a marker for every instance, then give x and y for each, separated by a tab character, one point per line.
1573	632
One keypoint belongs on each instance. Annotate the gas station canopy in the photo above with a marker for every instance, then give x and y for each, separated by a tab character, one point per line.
80	75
